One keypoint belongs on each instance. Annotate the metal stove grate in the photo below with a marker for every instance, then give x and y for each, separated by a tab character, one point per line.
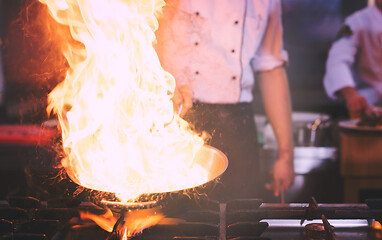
202	219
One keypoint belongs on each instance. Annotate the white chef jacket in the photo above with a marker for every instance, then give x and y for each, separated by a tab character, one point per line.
215	45
356	60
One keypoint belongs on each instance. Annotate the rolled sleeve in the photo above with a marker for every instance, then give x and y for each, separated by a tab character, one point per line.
271	53
269	62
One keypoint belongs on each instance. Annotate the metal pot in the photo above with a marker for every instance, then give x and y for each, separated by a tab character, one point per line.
311	129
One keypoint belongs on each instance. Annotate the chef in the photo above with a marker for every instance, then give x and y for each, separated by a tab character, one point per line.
213	48
354	64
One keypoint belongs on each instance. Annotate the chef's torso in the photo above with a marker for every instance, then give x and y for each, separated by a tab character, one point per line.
214	46
367	26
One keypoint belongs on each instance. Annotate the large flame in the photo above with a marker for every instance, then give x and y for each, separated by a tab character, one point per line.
119	128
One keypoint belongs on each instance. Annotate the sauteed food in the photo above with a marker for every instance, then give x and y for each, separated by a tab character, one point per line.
372	117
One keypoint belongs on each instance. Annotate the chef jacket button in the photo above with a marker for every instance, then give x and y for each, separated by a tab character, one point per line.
236	22
197	72
197	13
233	50
233	77
196	43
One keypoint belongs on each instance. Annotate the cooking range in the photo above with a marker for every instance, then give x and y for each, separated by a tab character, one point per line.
35	208
30	218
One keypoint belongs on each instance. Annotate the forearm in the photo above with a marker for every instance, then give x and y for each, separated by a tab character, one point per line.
277	105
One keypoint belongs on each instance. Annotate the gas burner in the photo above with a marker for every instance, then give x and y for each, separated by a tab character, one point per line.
320	230
124	206
315	231
128	211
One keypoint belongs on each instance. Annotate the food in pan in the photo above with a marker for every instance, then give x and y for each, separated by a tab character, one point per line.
372	117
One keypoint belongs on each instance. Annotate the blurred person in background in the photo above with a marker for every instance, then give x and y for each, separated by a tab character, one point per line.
2	82
1	78
217	50
354	64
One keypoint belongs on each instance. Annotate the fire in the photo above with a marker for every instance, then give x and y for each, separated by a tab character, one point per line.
119	129
377	225
106	221
131	223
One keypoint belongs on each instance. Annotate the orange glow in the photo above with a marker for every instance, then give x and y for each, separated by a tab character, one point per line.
135	221
105	221
119	129
377	225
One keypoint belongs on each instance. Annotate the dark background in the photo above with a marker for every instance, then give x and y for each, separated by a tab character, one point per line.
32	60
33	66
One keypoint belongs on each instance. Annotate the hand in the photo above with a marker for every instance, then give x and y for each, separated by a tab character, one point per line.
356	104
182	99
282	174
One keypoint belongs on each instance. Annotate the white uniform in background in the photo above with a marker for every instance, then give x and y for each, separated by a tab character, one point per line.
2	81
355	59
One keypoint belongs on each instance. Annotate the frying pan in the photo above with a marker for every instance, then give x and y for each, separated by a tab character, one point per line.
211	159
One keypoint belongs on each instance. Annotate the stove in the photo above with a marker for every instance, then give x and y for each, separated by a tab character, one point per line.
196	219
33	207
